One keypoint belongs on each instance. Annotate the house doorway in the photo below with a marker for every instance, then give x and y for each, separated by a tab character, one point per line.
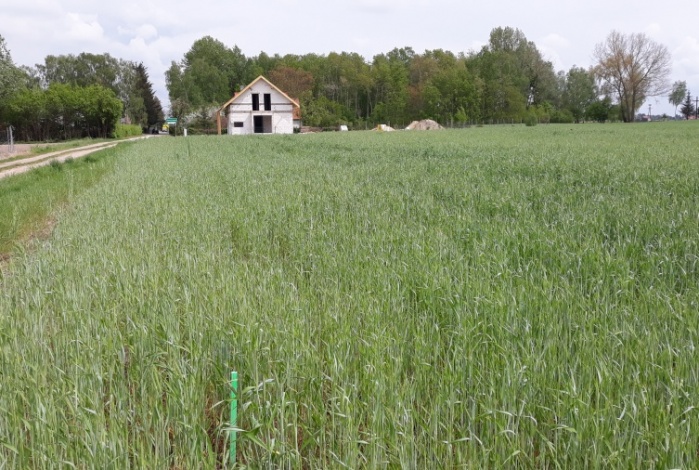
262	124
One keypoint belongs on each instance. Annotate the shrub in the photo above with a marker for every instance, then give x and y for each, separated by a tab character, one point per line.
562	116
531	120
127	130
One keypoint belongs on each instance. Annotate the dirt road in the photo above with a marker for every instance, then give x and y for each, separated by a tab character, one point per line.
15	167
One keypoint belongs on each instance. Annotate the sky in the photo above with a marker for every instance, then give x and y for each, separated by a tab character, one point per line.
157	33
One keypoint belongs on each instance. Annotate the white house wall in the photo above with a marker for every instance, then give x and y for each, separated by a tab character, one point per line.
240	110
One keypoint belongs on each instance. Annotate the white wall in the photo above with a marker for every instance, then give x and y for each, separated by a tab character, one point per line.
241	111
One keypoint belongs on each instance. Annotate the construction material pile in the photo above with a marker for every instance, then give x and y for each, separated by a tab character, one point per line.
424	125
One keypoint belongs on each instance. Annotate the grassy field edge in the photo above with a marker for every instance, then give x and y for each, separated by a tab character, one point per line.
28	200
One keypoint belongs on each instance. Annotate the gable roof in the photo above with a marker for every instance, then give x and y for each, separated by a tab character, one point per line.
296	108
251	84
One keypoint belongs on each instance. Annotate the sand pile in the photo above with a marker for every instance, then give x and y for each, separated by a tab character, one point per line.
384	128
424	125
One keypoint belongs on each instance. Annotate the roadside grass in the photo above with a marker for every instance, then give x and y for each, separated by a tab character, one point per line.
29	200
497	297
41	148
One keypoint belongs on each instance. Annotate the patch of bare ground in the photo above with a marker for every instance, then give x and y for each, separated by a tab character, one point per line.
17	150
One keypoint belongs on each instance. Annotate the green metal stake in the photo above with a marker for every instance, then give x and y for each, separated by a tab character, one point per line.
234	414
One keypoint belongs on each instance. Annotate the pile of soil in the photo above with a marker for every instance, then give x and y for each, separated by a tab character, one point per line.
424	125
384	128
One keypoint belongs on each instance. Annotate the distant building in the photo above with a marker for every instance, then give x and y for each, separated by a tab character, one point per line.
260	108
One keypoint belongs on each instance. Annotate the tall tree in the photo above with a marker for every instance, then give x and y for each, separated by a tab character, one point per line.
151	103
27	112
11	77
449	91
579	92
87	69
677	94
208	75
534	76
294	82
633	67
687	108
514	76
503	93
390	77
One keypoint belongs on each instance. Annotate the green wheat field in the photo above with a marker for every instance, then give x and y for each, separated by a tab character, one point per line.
496	297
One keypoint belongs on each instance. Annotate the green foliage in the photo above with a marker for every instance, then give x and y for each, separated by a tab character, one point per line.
146	109
677	94
12	80
209	74
531	119
514	76
28	112
600	110
562	116
127	80
687	108
64	112
323	112
101	111
201	124
579	93
121	131
499	84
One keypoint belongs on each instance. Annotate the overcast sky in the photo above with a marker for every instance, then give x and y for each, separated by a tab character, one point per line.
156	33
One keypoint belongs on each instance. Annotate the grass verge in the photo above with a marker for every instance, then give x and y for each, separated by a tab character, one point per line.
28	200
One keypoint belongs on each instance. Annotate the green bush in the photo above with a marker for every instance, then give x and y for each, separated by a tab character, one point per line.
531	120
562	116
127	130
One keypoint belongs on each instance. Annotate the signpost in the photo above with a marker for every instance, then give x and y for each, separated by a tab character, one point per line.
234	416
171	121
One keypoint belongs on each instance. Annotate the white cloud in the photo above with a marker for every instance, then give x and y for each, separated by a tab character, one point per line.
144	31
686	59
553	47
654	30
156	33
82	27
384	6
556	41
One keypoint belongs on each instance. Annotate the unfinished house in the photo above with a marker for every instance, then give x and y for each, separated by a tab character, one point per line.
260	108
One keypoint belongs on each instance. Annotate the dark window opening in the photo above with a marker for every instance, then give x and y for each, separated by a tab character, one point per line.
258	124
238	124
268	102
255	101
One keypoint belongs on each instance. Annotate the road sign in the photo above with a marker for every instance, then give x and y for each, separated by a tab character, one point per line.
171	121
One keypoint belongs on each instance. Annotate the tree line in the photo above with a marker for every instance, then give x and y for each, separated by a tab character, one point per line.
507	80
74	96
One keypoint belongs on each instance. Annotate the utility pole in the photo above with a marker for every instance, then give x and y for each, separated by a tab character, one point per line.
696	107
650	116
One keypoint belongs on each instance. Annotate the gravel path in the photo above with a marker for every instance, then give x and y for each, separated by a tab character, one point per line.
15	167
